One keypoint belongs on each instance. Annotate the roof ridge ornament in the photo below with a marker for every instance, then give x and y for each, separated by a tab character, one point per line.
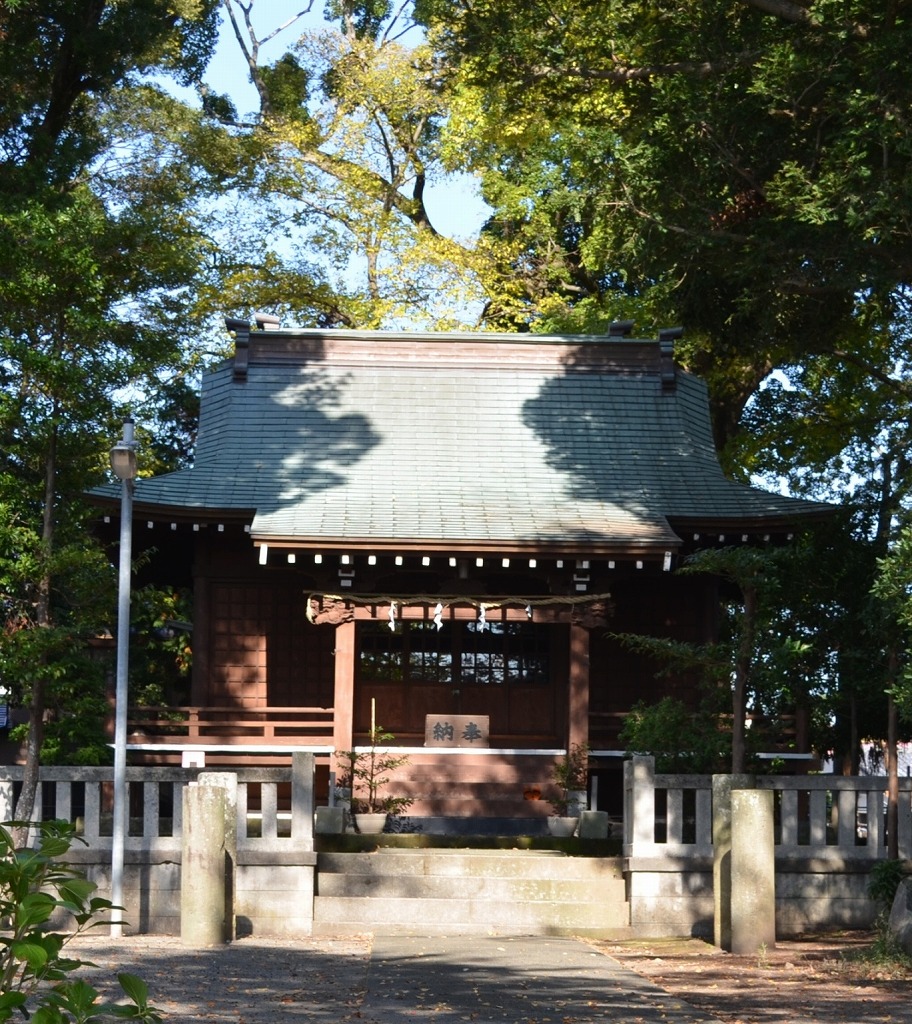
620	328
667	369
240	329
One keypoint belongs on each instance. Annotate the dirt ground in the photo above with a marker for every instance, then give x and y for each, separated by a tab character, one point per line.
818	980
815	980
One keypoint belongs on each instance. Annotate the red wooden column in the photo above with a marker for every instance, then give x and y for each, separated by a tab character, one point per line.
200	687
578	697
344	689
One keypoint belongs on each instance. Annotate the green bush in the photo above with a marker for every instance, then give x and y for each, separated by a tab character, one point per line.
35	975
680	738
883	882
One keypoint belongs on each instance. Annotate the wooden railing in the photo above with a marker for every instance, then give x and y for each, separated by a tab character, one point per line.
272	725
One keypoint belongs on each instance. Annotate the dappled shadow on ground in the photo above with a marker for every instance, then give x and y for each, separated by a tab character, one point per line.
500	979
507	979
388	980
247	982
817	980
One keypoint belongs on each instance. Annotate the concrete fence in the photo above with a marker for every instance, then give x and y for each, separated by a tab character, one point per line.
275	860
827	832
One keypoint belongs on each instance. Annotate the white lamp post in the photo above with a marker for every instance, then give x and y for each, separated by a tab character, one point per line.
123	463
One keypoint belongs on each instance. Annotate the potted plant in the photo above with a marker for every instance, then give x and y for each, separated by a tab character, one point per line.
571	774
366	772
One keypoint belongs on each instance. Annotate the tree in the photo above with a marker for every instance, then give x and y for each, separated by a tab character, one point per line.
740	168
330	174
82	267
894	587
60	58
742	669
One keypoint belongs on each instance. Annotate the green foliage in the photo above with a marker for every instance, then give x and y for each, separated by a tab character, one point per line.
161	654
781	622
737	168
98	245
287	84
571	773
883	881
57	59
335	167
77	708
37	889
364	18
680	738
57	653
885	951
893	587
366	771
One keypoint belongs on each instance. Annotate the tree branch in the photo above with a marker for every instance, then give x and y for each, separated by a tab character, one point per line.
900	386
251	54
788	10
288	23
621	74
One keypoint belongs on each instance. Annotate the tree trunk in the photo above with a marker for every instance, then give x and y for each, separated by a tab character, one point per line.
892	763
25	805
742	676
854	739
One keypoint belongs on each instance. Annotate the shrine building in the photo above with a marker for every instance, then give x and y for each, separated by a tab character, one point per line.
442	534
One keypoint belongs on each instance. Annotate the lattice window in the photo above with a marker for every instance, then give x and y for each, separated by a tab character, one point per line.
504	653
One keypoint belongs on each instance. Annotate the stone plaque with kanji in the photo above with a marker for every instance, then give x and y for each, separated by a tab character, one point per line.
456	730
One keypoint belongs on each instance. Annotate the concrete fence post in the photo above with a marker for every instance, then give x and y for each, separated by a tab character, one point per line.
7	803
722	786
302	800
753	872
208	860
228	781
639	805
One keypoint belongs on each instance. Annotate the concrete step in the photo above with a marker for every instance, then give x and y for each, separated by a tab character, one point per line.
516	890
461	863
346	916
509	892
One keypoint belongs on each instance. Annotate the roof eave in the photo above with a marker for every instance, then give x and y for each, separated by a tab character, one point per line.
645	547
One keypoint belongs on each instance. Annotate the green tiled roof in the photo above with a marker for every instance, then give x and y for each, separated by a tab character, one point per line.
478	439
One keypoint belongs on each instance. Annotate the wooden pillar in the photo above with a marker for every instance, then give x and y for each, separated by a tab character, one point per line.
202	610
578	690
344	691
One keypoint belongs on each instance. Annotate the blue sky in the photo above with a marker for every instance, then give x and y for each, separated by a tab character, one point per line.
454	205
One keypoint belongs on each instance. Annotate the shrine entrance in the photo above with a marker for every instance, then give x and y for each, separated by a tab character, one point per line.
507	668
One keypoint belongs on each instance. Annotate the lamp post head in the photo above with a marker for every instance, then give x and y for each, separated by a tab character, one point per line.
123	454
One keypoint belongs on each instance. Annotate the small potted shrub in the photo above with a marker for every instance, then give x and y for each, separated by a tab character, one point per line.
366	771
571	774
